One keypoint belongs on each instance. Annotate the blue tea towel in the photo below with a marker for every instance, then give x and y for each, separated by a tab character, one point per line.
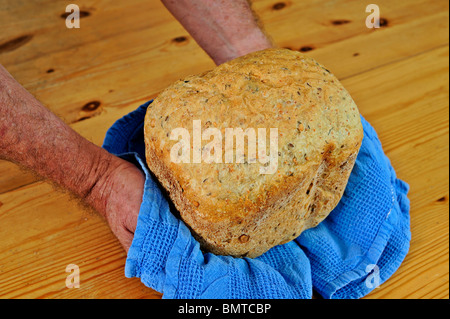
354	250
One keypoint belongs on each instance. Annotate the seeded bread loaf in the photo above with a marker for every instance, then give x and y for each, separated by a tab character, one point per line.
231	207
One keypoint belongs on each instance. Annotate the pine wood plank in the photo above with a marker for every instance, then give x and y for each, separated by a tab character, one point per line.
55	231
399	79
107	68
410	113
115	57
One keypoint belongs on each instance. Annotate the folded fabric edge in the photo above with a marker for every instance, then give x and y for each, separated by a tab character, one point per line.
111	143
132	265
360	270
115	142
398	212
369	262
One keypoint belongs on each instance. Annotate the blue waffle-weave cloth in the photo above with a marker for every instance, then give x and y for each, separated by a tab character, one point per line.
353	251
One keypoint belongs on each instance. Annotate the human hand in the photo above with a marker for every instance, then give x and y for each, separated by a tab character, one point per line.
109	184
118	197
224	29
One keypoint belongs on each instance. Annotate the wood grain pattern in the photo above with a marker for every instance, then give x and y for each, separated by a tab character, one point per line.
125	53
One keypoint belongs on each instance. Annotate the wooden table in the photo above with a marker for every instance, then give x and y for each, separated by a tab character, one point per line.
127	51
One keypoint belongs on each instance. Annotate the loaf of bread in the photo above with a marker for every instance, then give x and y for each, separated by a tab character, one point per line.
308	133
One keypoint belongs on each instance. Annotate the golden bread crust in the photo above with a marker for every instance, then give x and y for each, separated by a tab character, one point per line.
231	208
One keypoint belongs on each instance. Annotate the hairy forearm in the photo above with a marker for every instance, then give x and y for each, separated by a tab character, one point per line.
35	138
224	29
